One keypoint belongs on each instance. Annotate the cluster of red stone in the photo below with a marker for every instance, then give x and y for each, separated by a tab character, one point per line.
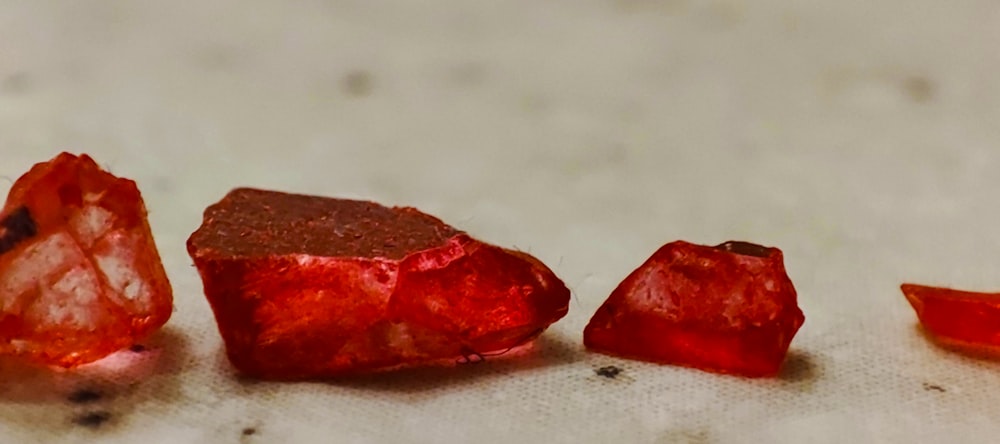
305	286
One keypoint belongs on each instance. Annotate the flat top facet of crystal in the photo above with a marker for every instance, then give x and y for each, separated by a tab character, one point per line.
252	222
745	248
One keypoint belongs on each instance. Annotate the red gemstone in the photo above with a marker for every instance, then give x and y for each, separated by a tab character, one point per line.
80	276
961	319
729	309
306	287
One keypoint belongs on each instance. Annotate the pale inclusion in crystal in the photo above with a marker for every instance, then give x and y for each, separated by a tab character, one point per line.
90	224
35	266
69	301
53	282
116	260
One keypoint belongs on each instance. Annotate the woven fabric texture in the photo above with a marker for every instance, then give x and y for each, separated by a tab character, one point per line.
859	137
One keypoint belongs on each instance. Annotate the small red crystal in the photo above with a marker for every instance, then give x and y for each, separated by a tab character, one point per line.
306	287
80	276
729	308
962	319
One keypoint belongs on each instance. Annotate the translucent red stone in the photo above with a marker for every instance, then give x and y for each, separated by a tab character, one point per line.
308	287
80	276
729	309
961	319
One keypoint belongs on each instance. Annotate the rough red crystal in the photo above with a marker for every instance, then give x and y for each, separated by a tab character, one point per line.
960	319
306	287
80	276
729	308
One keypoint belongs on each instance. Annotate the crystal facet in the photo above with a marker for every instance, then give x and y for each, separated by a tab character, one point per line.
80	276
306	287
960	319
729	308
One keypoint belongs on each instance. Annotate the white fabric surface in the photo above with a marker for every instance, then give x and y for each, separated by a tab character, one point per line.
862	138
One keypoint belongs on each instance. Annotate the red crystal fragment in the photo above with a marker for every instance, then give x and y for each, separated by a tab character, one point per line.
729	309
80	277
306	287
960	319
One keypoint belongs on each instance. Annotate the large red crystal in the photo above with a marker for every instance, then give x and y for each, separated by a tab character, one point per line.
729	308
306	287
80	276
960	319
